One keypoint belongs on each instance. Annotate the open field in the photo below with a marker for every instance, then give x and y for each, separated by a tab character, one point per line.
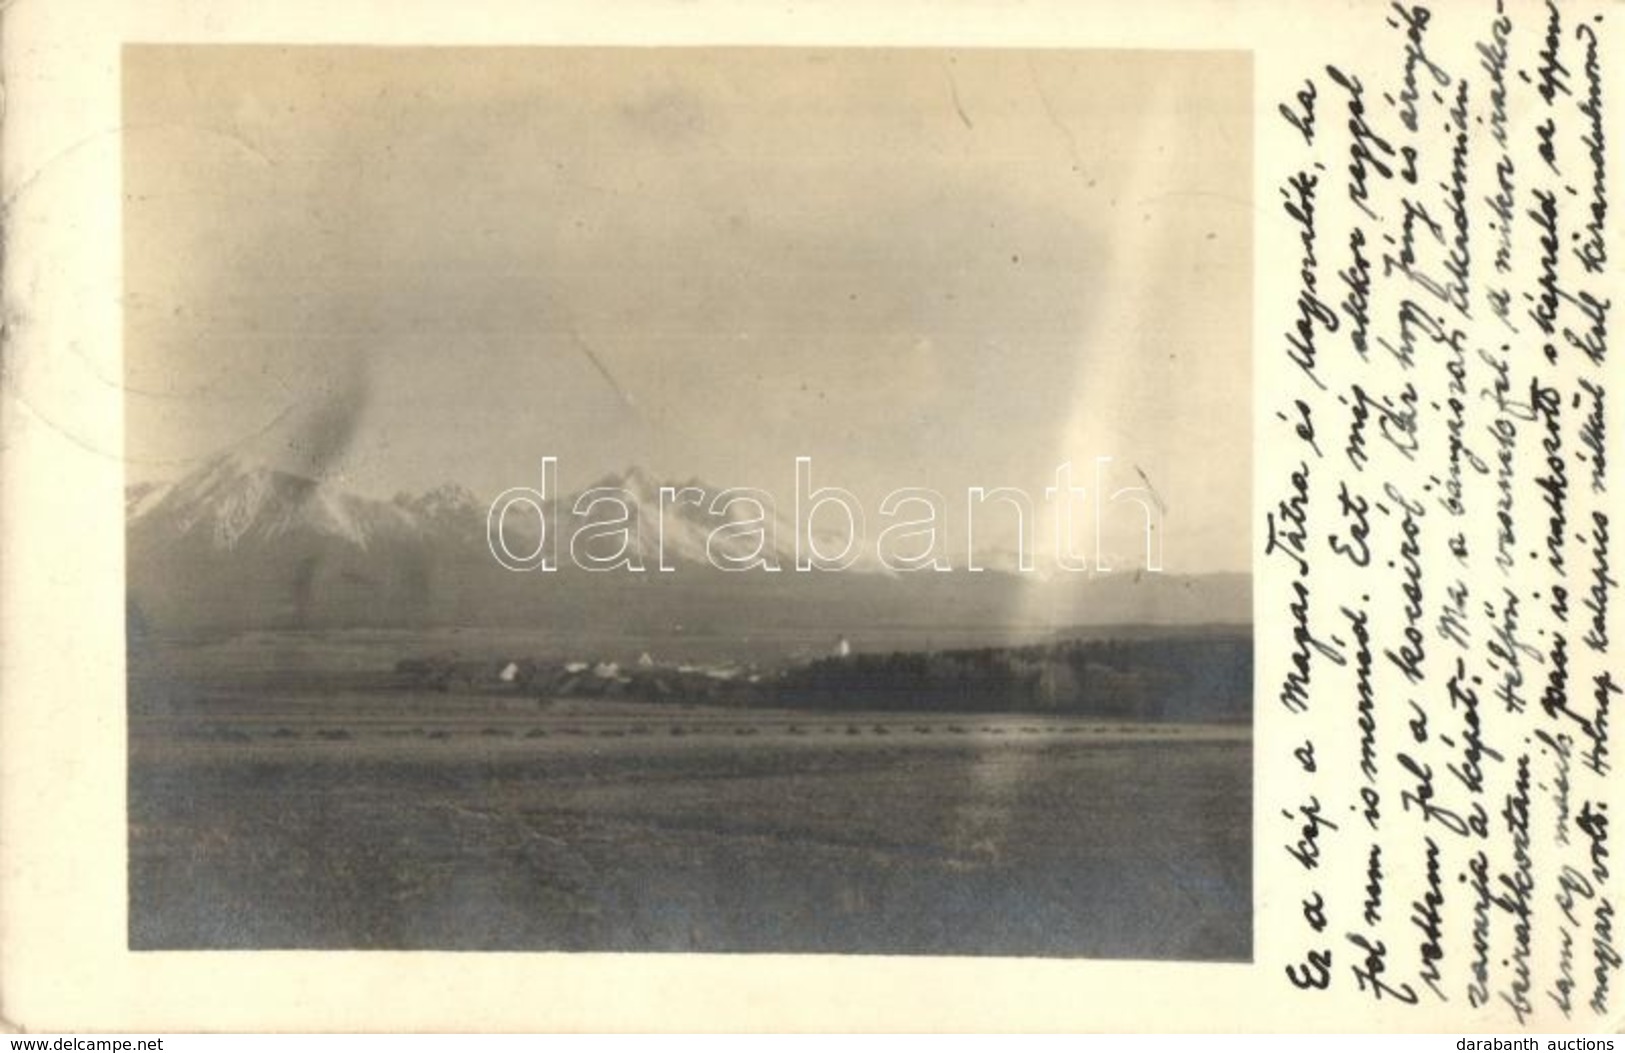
269	813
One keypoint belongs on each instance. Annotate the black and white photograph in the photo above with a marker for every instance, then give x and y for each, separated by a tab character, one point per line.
770	500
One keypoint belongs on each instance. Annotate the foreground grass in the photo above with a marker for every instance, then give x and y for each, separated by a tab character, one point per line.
298	821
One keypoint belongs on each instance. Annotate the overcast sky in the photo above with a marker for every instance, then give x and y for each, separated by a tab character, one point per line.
398	267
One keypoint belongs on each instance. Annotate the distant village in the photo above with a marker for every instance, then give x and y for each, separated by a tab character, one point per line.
1202	677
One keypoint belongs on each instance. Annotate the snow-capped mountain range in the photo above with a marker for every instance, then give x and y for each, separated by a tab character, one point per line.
233	503
238	543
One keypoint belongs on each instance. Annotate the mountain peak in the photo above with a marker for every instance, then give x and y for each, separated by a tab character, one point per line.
230	497
634	479
445	499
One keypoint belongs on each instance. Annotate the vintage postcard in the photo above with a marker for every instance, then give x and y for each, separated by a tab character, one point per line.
795	521
583	575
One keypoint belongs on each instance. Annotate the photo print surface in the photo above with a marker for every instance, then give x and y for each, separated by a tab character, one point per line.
689	500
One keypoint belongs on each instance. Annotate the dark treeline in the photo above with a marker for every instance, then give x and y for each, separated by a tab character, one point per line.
1205	677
